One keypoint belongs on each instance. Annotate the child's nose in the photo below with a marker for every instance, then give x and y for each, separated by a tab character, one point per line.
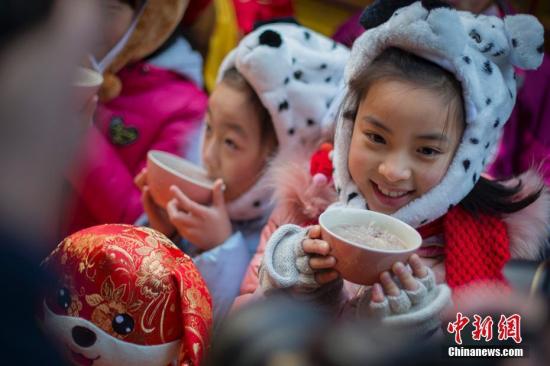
209	155
395	168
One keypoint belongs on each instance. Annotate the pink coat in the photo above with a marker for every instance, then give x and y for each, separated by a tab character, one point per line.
157	109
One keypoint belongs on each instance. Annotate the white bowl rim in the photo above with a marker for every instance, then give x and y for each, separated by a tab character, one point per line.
152	155
96	76
374	213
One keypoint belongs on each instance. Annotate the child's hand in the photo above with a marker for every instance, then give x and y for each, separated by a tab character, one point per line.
141	179
413	287
390	288
317	251
410	299
158	218
204	226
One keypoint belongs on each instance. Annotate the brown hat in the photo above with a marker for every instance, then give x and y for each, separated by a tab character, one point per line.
156	23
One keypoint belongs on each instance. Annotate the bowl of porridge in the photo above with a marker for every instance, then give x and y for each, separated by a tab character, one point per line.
165	169
366	243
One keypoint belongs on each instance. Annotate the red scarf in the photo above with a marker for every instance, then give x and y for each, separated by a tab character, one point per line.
476	248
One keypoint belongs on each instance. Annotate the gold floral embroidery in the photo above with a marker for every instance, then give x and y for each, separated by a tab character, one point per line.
153	276
75	307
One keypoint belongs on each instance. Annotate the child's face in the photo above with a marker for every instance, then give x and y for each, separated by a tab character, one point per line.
233	149
115	21
402	143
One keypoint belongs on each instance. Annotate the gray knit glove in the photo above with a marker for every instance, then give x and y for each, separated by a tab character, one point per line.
285	265
416	312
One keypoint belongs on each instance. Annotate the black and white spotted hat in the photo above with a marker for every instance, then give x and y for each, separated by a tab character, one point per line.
297	74
481	51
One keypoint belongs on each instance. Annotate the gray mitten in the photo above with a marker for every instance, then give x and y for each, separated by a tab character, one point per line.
285	265
416	312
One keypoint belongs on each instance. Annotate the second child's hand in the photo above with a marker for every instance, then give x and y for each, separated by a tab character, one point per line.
204	226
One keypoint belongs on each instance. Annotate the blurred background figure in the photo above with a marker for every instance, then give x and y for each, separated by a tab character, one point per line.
41	42
151	99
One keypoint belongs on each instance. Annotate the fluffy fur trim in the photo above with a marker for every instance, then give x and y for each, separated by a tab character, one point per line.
156	23
529	229
300	197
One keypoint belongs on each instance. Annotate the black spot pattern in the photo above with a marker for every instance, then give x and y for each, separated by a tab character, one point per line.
540	49
270	38
474	178
487	145
487	68
310	122
287	79
338	190
475	35
497	123
450	207
283	106
511	94
466	59
488	48
328	80
291	131
423	221
488	101
307	35
298	74
352	196
514	42
498	53
466	164
256	204
334	45
323	66
474	141
293	60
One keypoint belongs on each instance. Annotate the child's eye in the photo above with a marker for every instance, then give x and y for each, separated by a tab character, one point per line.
229	143
428	151
377	139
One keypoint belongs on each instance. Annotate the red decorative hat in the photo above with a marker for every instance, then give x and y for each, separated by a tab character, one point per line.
127	296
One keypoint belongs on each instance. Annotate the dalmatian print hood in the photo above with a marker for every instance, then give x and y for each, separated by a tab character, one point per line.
298	75
481	51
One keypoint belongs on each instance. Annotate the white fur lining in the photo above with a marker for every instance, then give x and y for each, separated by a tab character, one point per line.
107	350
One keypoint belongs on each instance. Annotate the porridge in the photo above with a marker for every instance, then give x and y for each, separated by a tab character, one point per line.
370	235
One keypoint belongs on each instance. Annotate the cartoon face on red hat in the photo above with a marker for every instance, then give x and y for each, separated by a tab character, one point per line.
126	296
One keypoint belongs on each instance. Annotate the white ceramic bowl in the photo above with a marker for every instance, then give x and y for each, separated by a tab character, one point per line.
165	169
86	84
359	263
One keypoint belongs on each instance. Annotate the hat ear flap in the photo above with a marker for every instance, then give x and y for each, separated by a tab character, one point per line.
196	313
526	40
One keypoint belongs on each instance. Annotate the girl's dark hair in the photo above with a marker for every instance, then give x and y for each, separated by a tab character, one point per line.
494	198
234	79
487	196
396	64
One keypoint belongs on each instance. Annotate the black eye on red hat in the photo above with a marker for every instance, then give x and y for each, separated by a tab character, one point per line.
123	324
